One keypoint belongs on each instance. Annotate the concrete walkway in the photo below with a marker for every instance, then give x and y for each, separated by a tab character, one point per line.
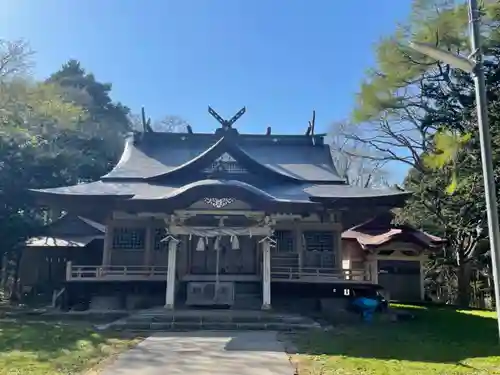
204	353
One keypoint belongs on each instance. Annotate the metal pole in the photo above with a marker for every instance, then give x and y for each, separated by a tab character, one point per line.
486	155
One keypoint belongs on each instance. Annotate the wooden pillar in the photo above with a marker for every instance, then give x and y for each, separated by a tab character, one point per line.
266	275
338	245
336	221
299	246
149	245
371	268
346	261
374	270
108	244
170	289
69	265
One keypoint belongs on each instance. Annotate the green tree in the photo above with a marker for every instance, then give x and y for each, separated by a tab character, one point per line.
407	99
461	216
50	136
32	114
106	119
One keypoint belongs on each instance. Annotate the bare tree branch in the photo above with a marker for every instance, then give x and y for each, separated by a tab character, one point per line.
15	59
355	161
168	124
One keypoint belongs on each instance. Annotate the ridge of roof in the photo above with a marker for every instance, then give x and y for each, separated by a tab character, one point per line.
245	137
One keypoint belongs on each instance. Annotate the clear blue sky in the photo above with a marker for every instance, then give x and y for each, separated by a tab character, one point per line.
279	58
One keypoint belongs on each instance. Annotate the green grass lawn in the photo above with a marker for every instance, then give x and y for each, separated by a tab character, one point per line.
438	341
55	349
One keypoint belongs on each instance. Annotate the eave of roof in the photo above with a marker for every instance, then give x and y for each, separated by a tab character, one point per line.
101	228
311	195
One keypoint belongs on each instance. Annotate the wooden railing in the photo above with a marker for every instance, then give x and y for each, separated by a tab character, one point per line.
318	274
119	273
159	273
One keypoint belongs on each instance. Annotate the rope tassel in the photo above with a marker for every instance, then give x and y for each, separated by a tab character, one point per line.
235	243
200	246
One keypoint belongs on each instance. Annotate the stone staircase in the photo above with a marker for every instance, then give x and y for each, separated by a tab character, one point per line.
247	297
159	319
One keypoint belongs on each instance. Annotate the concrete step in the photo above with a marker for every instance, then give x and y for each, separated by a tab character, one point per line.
164	320
264	319
212	326
247	301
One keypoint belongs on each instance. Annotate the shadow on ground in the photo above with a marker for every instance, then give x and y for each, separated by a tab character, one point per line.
31	345
435	335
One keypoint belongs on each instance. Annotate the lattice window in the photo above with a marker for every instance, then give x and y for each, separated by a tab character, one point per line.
225	163
319	241
284	241
159	234
129	238
320	249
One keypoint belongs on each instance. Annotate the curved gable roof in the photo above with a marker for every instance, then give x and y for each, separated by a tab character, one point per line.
158	155
149	158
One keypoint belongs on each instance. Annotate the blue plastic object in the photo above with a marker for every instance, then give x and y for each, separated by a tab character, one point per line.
368	306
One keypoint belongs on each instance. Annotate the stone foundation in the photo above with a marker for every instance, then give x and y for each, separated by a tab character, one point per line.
105	303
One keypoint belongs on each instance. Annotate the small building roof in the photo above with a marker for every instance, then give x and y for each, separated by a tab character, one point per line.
380	231
63	241
68	231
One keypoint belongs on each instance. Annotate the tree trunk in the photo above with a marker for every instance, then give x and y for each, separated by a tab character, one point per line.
16	288
3	281
464	273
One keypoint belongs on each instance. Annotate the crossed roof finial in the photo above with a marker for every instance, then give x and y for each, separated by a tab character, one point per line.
227	124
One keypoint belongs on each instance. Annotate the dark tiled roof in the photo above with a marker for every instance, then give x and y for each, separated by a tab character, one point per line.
304	162
150	158
158	154
68	231
295	169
